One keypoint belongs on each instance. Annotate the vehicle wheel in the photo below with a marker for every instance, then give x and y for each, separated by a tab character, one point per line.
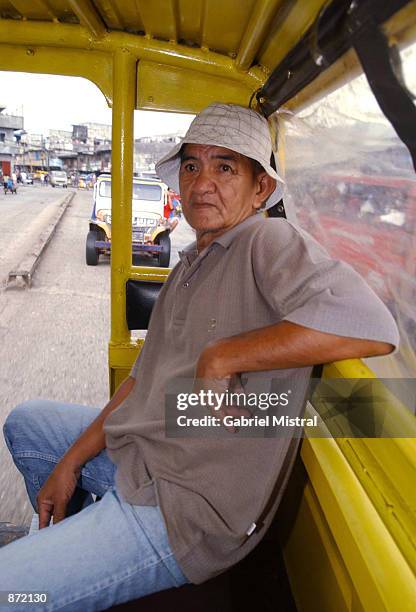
164	256
91	251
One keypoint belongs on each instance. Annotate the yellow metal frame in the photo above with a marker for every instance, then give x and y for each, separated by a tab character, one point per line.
356	518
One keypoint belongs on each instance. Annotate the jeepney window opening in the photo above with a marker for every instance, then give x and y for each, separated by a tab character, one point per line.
351	183
141	191
151	193
105	189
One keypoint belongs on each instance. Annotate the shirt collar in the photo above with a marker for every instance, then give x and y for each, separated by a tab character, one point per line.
188	255
226	239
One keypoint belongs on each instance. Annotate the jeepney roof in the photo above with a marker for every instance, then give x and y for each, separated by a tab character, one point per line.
193	55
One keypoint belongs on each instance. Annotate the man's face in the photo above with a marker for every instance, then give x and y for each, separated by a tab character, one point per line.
219	188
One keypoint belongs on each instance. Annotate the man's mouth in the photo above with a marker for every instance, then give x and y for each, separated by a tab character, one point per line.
202	205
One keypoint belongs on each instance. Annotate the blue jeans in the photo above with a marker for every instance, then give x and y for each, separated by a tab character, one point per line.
108	552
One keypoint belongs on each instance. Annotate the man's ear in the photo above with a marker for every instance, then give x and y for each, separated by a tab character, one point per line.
265	187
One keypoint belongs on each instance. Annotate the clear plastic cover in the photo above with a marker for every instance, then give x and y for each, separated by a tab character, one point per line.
351	183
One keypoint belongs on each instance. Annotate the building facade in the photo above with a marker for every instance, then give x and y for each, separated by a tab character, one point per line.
11	129
84	150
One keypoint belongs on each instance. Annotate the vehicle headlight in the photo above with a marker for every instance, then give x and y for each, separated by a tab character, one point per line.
104	215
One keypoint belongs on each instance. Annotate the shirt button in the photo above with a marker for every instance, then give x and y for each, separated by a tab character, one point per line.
186	285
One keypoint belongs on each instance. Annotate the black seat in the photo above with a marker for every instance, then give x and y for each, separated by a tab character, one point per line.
140	299
212	596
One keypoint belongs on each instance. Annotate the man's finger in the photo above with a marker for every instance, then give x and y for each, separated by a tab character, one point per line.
45	513
59	513
235	411
221	413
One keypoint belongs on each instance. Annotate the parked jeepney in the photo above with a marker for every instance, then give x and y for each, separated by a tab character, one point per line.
150	229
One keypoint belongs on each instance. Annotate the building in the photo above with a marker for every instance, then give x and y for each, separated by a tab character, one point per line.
98	132
149	149
60	140
11	130
32	153
102	157
85	149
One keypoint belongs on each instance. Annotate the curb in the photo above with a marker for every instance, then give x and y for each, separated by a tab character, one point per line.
27	266
9	533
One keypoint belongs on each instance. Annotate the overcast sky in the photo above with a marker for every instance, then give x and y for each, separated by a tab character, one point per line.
56	102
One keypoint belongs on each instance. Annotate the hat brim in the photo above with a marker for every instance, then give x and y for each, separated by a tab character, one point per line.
168	167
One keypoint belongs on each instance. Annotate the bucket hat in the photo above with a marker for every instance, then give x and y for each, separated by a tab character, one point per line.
237	128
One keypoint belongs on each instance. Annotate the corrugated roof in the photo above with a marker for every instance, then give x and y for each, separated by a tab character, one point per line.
252	31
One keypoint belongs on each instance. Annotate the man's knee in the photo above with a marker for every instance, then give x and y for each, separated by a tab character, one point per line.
21	419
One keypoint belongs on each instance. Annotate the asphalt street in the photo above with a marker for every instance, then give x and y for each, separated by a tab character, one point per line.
54	336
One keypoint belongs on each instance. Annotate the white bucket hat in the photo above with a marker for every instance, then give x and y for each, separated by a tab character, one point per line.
237	128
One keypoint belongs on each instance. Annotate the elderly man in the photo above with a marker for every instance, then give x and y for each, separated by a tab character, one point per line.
253	299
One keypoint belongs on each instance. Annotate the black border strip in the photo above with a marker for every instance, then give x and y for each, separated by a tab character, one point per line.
336	29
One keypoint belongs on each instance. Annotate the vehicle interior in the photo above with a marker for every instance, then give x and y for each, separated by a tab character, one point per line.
345	535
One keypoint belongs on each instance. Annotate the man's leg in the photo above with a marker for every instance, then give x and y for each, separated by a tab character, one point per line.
108	553
39	432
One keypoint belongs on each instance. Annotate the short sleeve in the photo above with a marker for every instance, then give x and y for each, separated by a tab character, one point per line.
135	367
304	285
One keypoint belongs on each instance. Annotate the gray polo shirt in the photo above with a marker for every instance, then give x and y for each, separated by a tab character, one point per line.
212	490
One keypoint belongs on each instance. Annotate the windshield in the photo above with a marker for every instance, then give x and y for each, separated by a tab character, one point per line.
141	191
59	174
152	193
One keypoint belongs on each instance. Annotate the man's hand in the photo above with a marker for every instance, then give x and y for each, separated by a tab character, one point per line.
208	378
56	493
54	496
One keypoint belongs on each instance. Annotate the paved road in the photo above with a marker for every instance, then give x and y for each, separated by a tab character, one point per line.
53	336
20	219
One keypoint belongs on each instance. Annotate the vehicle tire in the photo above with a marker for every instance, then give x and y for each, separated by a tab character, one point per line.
53	186
91	252
164	256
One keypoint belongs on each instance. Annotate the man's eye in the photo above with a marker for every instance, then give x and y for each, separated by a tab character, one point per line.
226	168
190	167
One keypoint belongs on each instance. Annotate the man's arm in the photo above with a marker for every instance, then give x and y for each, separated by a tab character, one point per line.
58	489
284	345
92	440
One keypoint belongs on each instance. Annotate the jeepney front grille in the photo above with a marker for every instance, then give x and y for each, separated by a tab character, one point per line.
138	236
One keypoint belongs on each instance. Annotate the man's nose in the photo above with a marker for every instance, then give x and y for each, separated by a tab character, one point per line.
203	182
